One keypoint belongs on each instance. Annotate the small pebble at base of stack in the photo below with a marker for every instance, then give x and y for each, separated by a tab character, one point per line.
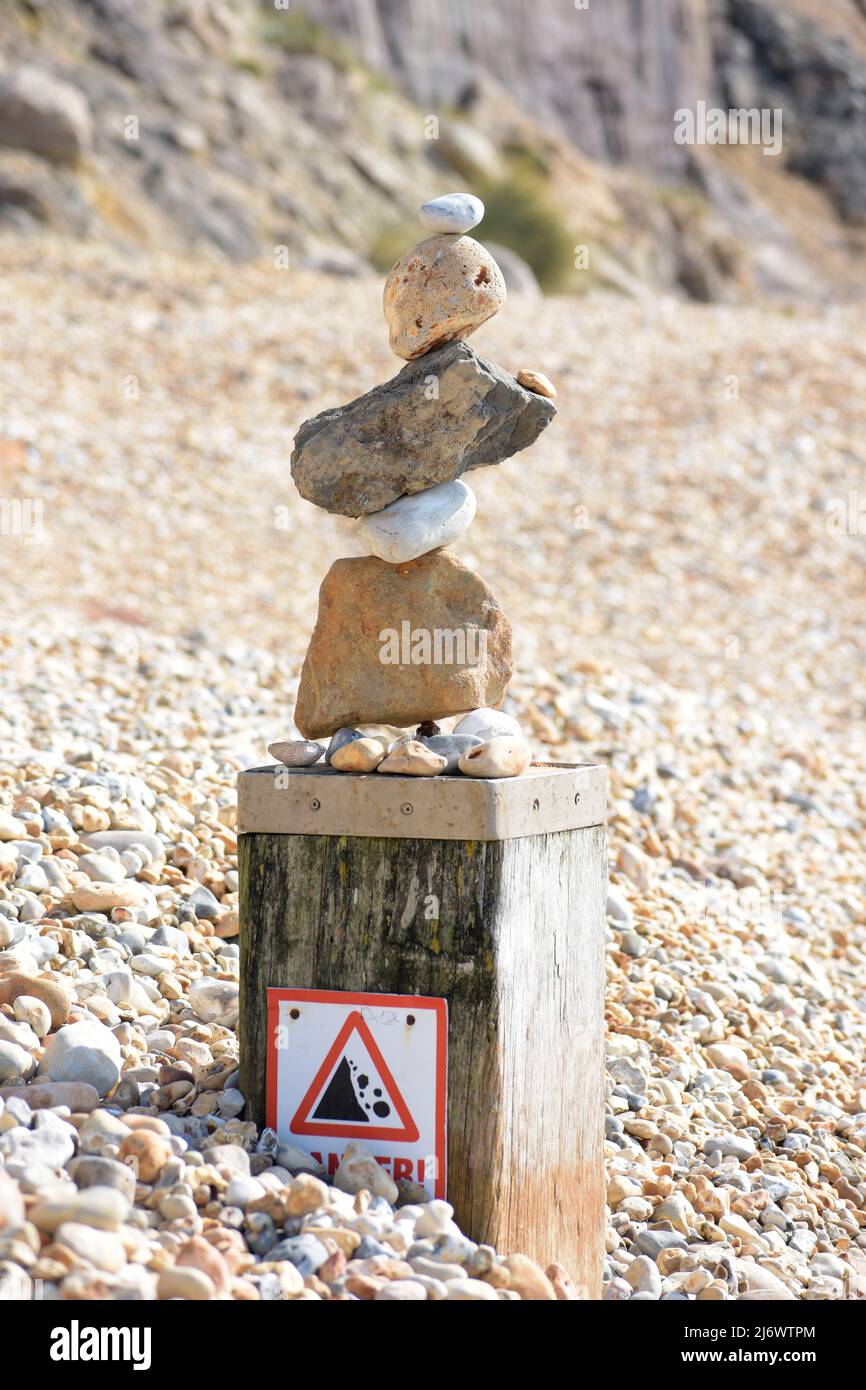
408	635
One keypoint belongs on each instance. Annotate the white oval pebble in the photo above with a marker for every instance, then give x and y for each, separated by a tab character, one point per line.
86	1051
182	1282
470	1291
34	1012
103	1249
488	723
414	525
214	1001
453	212
358	1169
103	868
15	1061
402	1291
435	1217
243	1190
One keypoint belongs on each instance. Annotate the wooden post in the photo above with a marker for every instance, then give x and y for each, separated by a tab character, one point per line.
489	893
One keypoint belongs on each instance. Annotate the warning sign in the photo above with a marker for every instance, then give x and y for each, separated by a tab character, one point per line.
370	1067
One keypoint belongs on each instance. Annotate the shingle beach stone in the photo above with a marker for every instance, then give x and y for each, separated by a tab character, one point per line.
360	755
413	759
86	1051
501	756
451	747
296	752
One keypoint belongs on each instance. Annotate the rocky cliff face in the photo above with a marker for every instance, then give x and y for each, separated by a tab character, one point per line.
204	131
769	56
316	131
608	77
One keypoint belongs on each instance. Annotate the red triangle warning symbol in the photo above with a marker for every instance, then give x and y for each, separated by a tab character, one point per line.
331	1105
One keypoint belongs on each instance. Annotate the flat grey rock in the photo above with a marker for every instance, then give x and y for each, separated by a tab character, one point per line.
442	415
450	746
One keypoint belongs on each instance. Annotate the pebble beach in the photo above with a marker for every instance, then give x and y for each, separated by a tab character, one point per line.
681	558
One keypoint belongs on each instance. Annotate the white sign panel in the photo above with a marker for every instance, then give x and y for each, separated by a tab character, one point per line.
371	1067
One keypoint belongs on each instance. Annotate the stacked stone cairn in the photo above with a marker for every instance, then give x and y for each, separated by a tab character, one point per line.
406	634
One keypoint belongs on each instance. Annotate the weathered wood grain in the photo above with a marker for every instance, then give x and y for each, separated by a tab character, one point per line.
511	933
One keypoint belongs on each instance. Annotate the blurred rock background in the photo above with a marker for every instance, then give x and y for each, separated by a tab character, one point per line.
188	124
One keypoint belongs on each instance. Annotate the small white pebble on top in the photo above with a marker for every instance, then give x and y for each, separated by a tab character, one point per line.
455	212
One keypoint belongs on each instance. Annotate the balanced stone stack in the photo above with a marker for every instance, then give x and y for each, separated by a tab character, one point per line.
407	634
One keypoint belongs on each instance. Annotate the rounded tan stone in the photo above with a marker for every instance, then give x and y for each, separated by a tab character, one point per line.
185	1283
39	1095
56	993
413	759
361	755
102	897
498	757
441	290
199	1254
305	1195
528	1279
364	1286
537	382
150	1154
565	1290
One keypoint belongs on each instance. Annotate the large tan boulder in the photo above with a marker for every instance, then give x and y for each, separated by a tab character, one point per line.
398	644
441	290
